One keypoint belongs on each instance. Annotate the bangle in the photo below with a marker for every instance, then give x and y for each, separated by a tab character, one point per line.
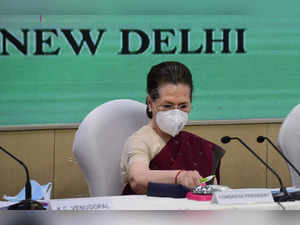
177	174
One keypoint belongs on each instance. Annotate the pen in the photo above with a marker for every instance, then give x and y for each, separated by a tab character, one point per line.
205	179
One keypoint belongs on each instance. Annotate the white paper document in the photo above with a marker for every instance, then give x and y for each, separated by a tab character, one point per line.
243	196
76	204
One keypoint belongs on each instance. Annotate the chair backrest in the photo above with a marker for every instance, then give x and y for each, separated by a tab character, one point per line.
289	141
99	141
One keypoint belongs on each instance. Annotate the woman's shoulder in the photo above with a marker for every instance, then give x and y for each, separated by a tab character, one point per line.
144	131
144	134
144	140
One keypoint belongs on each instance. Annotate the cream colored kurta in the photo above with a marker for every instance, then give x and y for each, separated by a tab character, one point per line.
143	145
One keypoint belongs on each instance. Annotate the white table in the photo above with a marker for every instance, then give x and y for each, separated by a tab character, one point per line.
143	210
143	202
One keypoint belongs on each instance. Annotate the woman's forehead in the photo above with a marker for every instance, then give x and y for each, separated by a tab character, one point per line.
174	93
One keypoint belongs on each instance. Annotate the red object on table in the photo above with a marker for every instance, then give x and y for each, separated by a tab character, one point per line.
197	197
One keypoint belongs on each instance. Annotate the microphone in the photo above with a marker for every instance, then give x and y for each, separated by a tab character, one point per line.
28	203
225	139
283	195
261	139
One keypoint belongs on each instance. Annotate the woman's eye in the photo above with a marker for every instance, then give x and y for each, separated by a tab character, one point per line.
166	106
183	106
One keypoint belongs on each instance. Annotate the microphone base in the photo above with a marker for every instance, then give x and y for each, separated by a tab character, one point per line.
295	195
27	205
286	197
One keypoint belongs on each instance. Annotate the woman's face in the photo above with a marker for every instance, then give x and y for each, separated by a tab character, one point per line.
171	96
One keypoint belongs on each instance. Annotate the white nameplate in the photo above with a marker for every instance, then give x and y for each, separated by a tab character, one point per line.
76	204
243	197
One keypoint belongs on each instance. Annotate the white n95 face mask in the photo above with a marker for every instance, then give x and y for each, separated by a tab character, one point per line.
171	121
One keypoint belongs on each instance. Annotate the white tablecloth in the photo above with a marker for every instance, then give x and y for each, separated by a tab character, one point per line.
142	202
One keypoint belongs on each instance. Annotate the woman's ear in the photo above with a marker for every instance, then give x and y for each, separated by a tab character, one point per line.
149	101
149	110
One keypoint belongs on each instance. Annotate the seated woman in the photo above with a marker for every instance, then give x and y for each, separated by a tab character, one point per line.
161	152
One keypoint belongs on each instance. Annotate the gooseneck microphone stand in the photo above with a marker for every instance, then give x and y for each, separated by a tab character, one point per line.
28	203
260	139
283	195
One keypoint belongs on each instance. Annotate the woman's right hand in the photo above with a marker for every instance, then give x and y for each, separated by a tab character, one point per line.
189	178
